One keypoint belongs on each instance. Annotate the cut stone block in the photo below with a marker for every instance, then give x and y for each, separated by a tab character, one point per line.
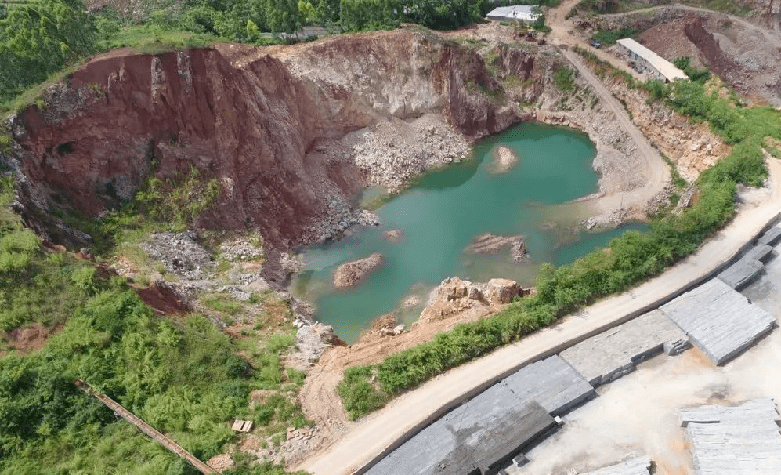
719	320
771	236
615	352
742	273
551	382
740	440
635	466
760	252
479	437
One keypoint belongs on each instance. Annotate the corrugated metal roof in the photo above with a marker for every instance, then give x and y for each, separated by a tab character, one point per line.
514	12
666	68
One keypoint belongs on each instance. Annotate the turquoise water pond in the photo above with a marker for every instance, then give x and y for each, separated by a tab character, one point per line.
445	210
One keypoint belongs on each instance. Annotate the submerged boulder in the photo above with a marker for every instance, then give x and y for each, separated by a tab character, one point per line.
504	160
351	273
490	243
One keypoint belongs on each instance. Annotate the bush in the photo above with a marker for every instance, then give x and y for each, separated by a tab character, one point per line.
564	78
609	37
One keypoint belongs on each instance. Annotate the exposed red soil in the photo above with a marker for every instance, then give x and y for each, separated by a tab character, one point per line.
163	299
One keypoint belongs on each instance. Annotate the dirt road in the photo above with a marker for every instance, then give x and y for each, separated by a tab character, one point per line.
560	35
657	171
371	436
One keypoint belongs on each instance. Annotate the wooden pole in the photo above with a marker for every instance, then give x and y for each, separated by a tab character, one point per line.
144	427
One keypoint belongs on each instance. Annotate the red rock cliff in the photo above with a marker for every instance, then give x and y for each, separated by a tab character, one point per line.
266	122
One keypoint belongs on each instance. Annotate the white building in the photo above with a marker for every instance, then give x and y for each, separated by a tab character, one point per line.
514	13
646	61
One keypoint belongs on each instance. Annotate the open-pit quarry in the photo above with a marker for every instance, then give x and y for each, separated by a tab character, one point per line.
294	136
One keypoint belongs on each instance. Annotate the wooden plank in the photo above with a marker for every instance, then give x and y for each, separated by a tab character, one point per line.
144	427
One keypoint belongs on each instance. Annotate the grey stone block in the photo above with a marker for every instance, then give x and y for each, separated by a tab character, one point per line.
615	352
742	273
479	437
771	236
719	320
738	440
551	382
634	466
760	252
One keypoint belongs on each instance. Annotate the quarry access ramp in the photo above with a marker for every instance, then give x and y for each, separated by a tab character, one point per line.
378	434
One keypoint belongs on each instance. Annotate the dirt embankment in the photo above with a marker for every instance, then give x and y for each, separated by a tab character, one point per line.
745	55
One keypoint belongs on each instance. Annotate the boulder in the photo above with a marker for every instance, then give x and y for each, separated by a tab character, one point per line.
501	291
351	273
490	244
393	235
504	160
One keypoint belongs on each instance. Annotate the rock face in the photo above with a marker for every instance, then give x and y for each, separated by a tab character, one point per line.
455	296
351	273
490	244
504	160
291	133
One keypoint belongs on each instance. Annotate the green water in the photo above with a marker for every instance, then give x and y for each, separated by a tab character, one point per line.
445	210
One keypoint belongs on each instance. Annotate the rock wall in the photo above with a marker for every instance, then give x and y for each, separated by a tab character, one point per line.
269	123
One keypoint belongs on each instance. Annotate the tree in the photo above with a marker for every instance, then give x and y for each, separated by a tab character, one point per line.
39	38
283	16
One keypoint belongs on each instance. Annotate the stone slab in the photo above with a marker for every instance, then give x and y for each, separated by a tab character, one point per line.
760	252
634	466
479	437
615	352
742	272
551	382
771	236
740	440
719	320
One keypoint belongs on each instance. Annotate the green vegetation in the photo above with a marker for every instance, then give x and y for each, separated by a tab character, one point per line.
172	204
700	75
609	37
628	260
564	78
184	376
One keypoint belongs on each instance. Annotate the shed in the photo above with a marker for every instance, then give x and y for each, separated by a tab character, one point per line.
523	13
649	62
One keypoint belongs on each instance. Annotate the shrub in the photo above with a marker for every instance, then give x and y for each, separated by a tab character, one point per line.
564	78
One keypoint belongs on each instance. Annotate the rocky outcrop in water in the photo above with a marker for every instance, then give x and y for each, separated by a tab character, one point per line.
504	160
351	273
490	244
454	296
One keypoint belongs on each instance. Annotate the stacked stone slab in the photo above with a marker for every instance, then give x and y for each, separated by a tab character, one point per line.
741	440
615	352
485	433
635	466
751	265
719	320
771	237
742	272
551	382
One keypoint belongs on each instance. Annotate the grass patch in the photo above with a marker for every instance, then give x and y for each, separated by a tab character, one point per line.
609	37
152	39
564	78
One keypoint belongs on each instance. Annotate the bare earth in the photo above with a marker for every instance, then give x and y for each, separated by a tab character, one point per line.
371	435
